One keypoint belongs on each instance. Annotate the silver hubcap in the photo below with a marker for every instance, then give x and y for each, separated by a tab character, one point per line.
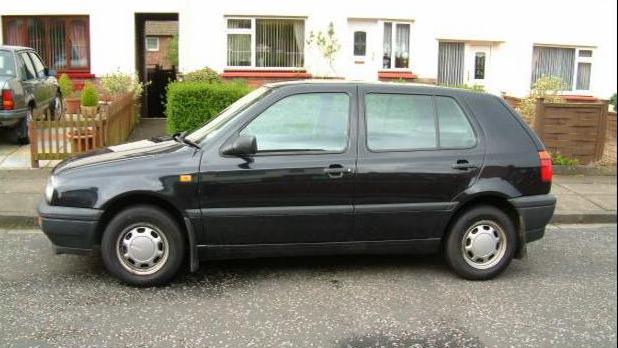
57	108
484	245
142	249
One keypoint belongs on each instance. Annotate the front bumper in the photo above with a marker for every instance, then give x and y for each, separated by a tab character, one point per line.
535	212
71	230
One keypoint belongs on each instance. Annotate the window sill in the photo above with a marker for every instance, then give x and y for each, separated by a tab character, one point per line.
396	75
259	73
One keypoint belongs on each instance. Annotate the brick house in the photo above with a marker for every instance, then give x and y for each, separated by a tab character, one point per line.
159	36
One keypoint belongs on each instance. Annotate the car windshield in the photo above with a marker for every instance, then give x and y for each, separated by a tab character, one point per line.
217	123
7	67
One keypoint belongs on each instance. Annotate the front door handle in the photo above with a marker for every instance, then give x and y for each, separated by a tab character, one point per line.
337	171
463	165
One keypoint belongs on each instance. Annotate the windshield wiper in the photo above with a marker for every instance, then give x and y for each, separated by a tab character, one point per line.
181	138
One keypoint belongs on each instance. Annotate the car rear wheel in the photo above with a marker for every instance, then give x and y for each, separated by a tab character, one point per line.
481	243
21	132
57	108
143	246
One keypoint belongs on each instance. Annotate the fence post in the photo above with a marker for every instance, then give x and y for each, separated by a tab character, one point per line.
539	114
34	145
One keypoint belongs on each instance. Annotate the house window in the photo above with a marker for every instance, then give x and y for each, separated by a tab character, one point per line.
152	44
63	42
572	65
451	63
396	46
360	43
265	42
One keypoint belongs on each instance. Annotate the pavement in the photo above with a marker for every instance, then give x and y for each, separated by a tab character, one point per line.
563	294
581	199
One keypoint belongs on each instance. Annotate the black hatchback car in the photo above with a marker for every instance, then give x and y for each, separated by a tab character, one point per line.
307	168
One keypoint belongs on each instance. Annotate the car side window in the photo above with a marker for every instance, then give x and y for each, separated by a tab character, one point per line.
455	129
400	122
39	67
28	71
303	122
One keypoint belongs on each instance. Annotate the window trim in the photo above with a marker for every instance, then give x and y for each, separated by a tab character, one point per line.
436	120
152	49
394	24
578	59
67	19
243	125
253	35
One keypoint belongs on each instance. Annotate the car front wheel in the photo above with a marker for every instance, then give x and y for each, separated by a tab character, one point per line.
481	243
143	246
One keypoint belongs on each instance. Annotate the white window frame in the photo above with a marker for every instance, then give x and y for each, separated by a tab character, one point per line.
156	38
578	60
251	31
393	36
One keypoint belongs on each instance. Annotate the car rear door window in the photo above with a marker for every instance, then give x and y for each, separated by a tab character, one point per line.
455	129
28	71
400	122
303	122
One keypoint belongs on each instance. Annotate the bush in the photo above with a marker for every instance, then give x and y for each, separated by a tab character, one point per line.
472	88
90	95
191	104
66	86
118	84
612	100
565	161
547	87
203	75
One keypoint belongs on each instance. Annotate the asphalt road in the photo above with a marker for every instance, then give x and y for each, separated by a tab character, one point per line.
563	295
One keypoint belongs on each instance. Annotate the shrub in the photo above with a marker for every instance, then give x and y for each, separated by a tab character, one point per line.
203	75
565	161
66	85
90	95
172	54
118	84
612	100
191	104
548	87
472	88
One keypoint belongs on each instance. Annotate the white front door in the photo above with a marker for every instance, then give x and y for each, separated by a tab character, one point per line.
477	65
362	47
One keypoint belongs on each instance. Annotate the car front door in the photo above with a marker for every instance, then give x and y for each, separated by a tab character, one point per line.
417	153
298	187
46	85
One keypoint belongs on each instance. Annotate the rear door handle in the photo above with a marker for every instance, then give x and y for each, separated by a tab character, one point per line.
463	165
337	171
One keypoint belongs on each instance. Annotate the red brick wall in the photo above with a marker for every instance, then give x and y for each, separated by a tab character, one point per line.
611	126
160	57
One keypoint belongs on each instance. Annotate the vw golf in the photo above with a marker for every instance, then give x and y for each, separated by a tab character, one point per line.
313	168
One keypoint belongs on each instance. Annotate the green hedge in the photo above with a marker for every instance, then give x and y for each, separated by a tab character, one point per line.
191	104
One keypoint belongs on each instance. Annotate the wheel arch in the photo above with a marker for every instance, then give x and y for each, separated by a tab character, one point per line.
498	200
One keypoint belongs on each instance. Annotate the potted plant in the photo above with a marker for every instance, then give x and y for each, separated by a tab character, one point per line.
90	100
70	96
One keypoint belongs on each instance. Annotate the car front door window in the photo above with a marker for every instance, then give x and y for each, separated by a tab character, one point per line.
303	122
28	72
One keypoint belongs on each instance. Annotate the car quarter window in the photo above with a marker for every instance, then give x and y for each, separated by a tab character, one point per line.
400	122
28	72
455	129
303	122
39	67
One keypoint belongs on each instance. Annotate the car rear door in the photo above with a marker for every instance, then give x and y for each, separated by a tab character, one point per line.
298	187
417	152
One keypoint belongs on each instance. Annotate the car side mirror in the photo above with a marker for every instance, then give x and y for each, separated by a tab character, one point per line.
50	73
241	146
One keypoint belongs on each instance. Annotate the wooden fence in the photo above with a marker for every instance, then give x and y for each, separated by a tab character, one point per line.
72	134
574	130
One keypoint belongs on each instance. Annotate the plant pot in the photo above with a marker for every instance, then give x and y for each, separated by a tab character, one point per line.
89	111
72	105
84	141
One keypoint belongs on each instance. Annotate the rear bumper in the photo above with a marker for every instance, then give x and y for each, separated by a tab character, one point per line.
9	118
71	230
535	213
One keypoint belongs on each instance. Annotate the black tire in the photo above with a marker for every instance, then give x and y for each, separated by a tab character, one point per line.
21	131
56	108
129	220
469	223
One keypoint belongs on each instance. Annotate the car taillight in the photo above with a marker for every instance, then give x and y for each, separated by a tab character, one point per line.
8	102
547	169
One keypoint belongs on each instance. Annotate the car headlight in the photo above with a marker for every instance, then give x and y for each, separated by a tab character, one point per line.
50	188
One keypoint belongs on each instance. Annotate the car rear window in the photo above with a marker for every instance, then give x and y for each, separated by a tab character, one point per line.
7	66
